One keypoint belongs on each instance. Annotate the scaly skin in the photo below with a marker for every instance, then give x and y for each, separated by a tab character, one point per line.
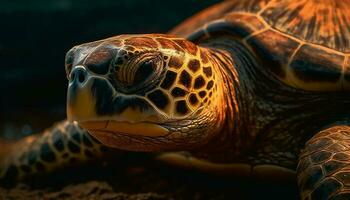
324	165
65	144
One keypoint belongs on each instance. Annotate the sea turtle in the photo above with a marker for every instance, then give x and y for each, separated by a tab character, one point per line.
255	87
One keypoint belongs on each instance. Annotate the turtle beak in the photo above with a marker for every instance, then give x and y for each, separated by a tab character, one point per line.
80	101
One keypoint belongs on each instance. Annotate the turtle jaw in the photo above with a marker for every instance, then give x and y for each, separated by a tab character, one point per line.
140	128
149	136
110	133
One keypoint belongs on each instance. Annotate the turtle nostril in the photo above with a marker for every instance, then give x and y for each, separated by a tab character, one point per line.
81	78
78	75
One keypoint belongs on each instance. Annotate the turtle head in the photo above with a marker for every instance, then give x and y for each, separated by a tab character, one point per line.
144	92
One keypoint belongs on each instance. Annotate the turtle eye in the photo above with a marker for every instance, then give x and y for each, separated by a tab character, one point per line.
145	71
139	73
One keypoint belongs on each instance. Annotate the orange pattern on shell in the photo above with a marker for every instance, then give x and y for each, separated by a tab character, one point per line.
323	22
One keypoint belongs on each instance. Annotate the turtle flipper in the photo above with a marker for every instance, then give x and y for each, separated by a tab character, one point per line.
64	144
324	165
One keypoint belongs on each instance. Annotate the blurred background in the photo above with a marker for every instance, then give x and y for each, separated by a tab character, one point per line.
36	34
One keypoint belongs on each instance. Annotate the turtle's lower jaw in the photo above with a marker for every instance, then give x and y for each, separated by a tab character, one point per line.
110	132
140	128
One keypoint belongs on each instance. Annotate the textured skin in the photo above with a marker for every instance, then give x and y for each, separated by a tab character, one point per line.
324	165
63	145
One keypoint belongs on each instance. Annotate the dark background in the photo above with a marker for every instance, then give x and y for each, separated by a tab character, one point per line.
34	36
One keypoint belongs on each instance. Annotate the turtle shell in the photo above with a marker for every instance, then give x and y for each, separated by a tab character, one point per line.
304	43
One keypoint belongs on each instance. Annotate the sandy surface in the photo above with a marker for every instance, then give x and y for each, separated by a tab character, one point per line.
137	177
